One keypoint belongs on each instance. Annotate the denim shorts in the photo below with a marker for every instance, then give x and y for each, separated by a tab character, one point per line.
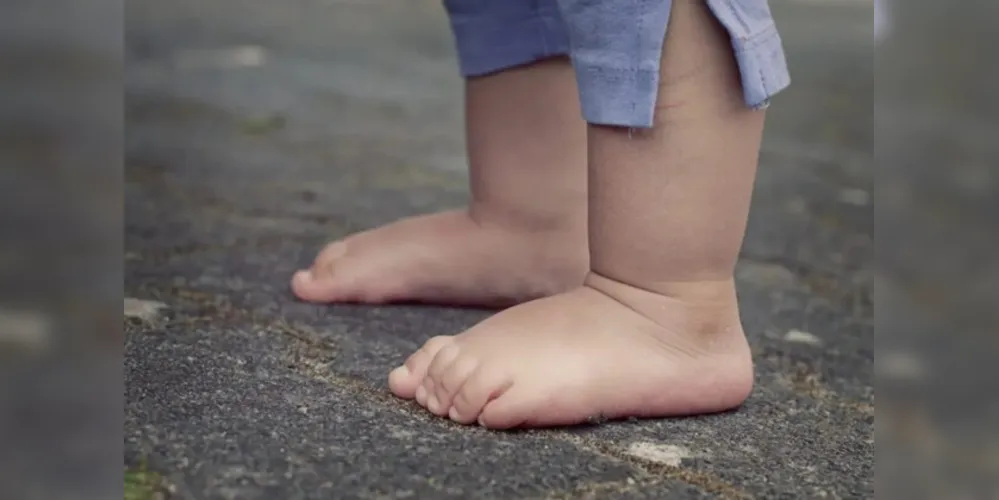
615	47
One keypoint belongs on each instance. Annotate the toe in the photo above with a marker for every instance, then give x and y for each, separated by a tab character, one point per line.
309	287
479	388
404	380
401	382
441	363
511	409
449	383
317	284
429	400
421	395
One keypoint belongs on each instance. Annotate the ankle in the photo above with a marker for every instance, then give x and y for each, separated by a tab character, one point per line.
704	288
704	277
569	219
554	253
700	310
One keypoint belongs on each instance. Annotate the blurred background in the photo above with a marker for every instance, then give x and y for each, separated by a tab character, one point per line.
258	130
936	118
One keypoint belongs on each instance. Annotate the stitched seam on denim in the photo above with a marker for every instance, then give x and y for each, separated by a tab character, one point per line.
756	40
606	76
637	55
763	80
738	17
768	35
636	63
743	46
598	69
618	68
761	63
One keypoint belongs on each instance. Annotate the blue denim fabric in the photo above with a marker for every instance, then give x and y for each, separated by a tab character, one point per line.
614	45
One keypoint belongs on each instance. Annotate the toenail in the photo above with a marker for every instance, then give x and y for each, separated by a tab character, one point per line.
421	392
432	403
400	371
453	414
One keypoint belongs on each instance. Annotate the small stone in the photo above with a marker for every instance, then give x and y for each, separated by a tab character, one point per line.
145	310
765	274
596	420
802	337
665	454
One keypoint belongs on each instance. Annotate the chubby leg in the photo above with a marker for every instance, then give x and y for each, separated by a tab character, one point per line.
655	329
523	236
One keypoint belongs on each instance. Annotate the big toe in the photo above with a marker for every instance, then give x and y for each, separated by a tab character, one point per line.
406	379
313	286
318	283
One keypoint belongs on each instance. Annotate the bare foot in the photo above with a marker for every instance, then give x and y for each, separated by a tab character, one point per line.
604	350
524	234
447	258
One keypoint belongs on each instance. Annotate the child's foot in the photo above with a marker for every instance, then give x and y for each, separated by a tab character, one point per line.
524	235
447	258
604	350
